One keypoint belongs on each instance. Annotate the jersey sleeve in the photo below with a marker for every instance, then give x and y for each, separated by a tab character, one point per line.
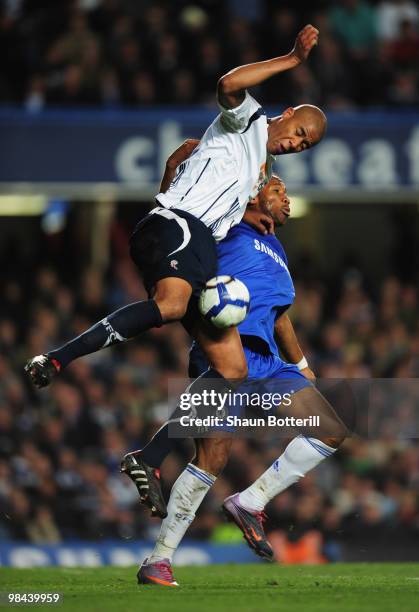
237	119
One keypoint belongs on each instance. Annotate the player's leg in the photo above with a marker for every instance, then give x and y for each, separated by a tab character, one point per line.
300	456
225	353
168	304
187	495
246	508
170	281
223	350
196	480
185	498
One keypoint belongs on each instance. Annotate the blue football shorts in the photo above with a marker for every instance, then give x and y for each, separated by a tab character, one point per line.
268	377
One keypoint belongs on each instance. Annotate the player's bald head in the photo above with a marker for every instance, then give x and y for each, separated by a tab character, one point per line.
296	130
313	115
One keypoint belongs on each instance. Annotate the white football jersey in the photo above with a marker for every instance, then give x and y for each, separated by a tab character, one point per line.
228	168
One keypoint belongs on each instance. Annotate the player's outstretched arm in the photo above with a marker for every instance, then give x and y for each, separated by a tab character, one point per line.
287	342
176	158
232	86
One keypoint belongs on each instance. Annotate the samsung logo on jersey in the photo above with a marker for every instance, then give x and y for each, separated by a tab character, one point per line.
260	246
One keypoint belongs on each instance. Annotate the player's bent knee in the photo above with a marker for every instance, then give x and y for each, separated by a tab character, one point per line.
243	371
173	309
172	297
235	371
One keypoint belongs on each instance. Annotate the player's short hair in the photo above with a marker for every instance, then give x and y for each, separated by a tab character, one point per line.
278	178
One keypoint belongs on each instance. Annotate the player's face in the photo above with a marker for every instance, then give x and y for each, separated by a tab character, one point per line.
274	201
291	134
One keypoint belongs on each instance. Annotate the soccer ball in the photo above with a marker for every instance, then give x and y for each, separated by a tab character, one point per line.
225	301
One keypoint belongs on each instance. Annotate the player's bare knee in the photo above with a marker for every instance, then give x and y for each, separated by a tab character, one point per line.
242	371
235	371
172	297
173	309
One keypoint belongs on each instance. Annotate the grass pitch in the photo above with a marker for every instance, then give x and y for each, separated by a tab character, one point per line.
222	588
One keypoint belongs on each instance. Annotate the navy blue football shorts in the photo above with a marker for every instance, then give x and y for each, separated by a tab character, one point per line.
173	243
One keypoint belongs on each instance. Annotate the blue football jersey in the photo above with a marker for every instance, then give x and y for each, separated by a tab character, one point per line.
261	264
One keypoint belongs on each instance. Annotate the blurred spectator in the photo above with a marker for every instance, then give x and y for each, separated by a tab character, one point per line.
42	528
71	90
251	10
404	49
391	14
35	95
210	66
110	93
143	89
333	79
305	88
183	87
73	45
403	91
353	22
355	25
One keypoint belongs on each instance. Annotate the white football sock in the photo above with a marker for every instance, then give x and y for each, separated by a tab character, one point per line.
300	456
185	498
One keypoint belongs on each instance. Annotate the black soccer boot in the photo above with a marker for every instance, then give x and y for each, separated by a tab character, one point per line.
42	369
147	481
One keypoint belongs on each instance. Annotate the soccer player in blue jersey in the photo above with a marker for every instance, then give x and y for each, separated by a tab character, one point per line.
260	262
174	246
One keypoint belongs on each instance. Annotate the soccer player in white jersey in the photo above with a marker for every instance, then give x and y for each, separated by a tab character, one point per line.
174	246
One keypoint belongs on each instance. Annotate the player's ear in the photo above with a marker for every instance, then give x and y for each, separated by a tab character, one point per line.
288	113
253	201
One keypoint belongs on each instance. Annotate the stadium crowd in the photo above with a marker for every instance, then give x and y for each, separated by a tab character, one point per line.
60	448
114	53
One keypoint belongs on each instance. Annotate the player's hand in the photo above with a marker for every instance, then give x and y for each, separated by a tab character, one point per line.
263	223
308	374
305	41
182	152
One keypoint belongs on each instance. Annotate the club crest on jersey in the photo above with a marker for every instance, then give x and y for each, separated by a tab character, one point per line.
174	264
